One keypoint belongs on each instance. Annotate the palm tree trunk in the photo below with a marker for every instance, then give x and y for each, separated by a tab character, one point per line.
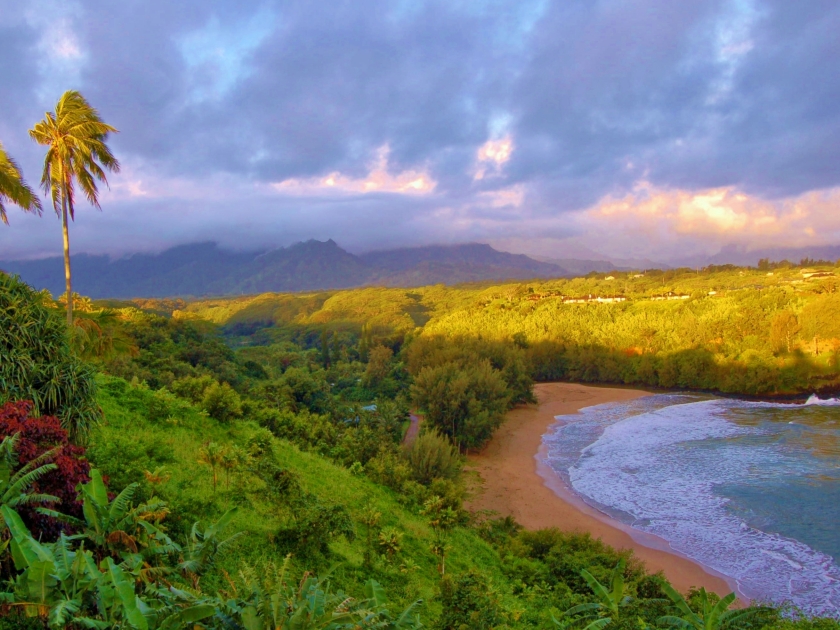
67	261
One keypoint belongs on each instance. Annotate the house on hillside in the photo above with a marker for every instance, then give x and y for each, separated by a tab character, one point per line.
605	299
579	300
670	296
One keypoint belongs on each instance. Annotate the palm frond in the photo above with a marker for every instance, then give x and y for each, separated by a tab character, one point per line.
14	189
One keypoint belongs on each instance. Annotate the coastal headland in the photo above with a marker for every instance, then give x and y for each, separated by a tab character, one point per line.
514	481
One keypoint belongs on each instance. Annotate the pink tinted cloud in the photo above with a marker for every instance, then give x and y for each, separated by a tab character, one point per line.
379	179
715	217
492	156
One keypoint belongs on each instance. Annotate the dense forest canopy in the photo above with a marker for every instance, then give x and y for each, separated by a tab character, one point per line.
767	330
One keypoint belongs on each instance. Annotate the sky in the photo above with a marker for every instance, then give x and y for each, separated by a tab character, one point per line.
633	129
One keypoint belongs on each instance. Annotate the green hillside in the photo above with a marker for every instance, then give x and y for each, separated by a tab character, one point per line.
738	330
129	443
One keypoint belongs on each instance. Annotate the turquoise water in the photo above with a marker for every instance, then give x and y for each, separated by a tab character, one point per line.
750	489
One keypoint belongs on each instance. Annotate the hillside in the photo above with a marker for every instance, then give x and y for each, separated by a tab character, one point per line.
150	431
729	329
421	266
206	269
735	255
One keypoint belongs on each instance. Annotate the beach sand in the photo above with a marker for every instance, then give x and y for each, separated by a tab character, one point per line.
514	482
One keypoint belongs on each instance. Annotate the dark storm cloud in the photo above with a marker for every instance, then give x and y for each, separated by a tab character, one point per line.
785	134
703	94
18	84
606	88
221	99
324	88
137	74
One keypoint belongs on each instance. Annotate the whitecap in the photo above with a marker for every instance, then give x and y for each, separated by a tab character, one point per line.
656	466
813	399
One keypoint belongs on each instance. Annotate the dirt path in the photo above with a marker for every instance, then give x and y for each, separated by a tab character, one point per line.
413	429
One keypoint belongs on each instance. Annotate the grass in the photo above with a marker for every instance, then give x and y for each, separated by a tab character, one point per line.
141	433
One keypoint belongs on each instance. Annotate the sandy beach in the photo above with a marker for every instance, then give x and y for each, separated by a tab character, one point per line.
514	482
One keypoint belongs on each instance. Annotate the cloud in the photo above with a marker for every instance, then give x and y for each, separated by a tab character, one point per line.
688	125
377	180
723	215
492	155
218	57
504	197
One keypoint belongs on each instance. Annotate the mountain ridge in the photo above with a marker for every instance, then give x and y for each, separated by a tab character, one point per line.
205	269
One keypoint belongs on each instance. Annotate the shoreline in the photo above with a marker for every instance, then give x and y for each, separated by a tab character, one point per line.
516	482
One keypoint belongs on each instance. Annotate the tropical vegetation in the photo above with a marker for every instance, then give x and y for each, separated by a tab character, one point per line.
37	361
230	467
77	157
14	189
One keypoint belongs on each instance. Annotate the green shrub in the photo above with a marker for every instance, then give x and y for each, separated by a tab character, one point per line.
388	469
260	443
282	485
315	526
122	458
469	603
37	362
125	458
309	389
431	457
379	364
221	402
192	387
465	402
162	405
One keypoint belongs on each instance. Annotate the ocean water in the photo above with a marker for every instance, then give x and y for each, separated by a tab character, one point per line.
749	489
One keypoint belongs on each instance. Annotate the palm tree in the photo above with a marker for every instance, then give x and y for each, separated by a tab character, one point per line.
13	189
77	153
213	455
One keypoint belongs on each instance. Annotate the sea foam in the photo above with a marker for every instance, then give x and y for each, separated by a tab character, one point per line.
813	399
656	465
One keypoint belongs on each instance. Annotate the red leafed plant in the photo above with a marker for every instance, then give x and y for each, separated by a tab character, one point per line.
37	436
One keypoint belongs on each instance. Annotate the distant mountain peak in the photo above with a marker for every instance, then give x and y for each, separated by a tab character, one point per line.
204	268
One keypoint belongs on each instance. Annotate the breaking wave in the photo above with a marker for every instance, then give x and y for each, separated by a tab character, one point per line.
659	464
813	399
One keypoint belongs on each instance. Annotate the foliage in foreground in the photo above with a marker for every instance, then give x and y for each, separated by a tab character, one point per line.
38	364
41	438
127	572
